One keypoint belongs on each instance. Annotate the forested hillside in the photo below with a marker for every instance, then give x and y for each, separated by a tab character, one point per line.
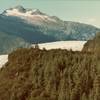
93	45
34	74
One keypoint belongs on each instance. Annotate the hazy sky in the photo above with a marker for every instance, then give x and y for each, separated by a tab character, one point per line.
87	11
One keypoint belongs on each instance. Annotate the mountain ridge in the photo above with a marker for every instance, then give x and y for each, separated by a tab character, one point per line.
41	28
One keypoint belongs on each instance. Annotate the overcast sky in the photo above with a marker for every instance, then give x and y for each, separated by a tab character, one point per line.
86	11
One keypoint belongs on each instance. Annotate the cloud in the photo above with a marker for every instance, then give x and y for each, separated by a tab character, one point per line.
92	20
95	21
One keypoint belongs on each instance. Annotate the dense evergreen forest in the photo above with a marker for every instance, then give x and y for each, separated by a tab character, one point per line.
34	74
93	45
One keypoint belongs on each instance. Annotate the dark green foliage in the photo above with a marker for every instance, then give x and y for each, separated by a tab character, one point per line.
33	74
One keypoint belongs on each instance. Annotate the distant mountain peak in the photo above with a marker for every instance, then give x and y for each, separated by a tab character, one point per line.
20	10
37	11
30	15
19	7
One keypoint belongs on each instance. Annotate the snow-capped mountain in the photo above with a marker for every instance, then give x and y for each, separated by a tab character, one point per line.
34	22
32	26
32	16
20	11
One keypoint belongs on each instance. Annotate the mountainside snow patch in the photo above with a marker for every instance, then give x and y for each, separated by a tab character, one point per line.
74	45
3	60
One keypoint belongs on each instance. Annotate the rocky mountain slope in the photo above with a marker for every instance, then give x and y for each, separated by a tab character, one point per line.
35	26
9	43
22	26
